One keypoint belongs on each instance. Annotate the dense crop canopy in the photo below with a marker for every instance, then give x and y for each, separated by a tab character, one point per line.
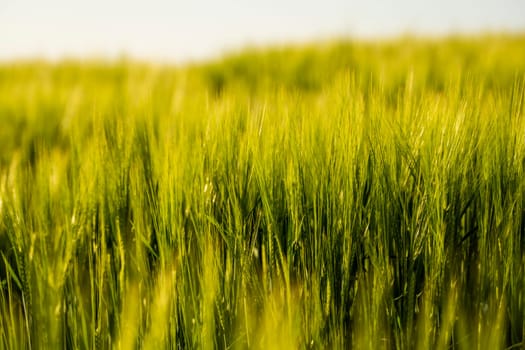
347	194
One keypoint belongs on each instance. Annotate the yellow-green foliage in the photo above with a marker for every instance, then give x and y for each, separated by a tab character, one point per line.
367	195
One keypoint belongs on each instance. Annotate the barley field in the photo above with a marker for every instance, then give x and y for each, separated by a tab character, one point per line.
351	194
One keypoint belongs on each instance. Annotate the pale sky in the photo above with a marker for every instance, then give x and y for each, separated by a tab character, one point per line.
180	30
